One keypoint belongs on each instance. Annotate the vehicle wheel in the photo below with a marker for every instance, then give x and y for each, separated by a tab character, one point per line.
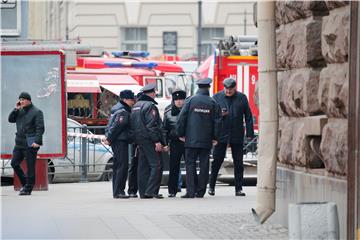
51	171
107	175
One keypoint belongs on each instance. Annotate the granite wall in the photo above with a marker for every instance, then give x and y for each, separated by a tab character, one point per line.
312	40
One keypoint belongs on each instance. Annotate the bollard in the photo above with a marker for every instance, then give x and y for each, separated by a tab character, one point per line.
313	220
83	154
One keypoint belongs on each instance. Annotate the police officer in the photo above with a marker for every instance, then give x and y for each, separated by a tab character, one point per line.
30	129
117	136
146	127
198	127
133	168
234	110
177	149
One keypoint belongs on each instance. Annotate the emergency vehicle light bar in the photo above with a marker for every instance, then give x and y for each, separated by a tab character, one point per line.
130	53
131	64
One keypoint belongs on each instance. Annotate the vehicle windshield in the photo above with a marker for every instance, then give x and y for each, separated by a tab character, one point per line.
174	81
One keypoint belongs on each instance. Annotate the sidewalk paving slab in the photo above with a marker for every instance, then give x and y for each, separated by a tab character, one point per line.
88	211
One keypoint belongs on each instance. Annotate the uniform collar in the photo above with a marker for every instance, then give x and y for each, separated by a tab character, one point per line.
145	97
127	107
203	91
175	110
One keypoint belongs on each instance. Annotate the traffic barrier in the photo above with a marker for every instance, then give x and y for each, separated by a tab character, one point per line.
86	135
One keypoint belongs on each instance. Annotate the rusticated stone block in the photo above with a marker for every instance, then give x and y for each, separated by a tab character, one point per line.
285	141
289	11
304	154
282	77
299	44
296	148
333	91
334	147
281	47
335	4
335	35
298	90
299	145
314	125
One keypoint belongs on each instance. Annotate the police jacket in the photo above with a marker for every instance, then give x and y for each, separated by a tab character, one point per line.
171	116
199	120
145	121
118	126
29	123
235	110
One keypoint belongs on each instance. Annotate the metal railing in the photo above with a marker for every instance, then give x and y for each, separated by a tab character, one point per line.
83	152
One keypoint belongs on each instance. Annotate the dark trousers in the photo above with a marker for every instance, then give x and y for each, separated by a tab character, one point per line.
132	179
196	184
120	166
28	180
177	150
149	170
219	155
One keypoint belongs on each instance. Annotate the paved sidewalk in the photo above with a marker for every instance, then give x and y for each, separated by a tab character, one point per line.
87	211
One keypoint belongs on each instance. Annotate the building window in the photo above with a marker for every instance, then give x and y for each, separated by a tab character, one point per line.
134	39
208	42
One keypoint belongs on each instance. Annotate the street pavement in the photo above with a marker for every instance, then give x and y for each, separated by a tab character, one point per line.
88	211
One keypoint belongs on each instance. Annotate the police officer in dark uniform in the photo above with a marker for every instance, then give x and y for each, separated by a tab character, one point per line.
198	127
30	129
117	136
146	128
234	110
133	168
177	149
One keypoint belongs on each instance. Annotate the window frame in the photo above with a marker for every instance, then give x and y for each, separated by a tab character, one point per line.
137	42
205	42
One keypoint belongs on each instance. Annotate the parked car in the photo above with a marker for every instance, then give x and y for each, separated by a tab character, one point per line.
67	169
99	158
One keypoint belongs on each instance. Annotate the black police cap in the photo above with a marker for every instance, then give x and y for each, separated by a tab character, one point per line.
149	88
229	83
178	94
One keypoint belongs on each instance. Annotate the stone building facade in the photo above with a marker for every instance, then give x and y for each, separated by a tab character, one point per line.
312	39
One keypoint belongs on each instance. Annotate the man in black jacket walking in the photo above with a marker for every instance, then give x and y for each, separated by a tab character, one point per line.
117	136
30	129
177	149
198	127
146	129
234	110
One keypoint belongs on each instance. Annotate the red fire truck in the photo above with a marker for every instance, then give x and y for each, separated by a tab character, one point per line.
107	76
